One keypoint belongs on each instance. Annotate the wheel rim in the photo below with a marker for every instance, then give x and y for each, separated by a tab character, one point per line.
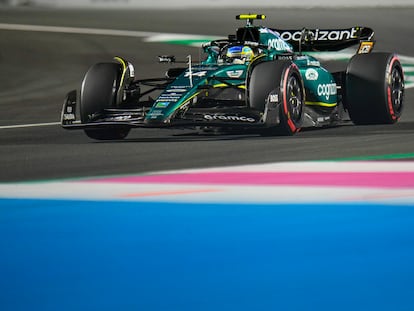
295	98
397	89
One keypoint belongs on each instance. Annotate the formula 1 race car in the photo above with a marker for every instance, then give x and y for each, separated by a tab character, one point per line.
258	78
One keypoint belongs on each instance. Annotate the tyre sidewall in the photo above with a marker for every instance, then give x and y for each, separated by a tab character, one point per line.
368	94
273	77
99	90
289	124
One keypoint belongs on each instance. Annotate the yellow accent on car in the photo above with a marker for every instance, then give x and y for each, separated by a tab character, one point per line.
124	68
190	98
253	60
322	104
251	16
242	86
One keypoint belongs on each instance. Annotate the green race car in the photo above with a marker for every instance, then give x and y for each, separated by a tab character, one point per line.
258	78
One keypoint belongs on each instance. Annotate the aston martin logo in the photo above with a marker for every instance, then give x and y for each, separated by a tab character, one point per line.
234	73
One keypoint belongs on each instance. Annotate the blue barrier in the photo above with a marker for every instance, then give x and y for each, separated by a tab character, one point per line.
82	255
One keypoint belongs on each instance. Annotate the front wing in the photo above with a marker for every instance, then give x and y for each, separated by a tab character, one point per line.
235	116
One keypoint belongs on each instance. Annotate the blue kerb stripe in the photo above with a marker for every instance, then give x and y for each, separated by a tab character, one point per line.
82	255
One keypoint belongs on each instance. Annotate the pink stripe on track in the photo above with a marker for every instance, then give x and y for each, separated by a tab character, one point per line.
353	179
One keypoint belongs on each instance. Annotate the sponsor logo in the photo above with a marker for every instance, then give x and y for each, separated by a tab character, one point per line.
228	118
196	73
322	35
179	88
313	63
173	93
274	98
162	104
176	90
234	73
311	74
278	44
365	47
68	116
323	119
326	90
284	57
155	113
169	97
204	68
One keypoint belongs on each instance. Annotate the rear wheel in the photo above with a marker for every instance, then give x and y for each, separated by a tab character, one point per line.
282	78
374	88
99	92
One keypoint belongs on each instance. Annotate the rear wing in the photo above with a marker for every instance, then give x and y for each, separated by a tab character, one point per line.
310	40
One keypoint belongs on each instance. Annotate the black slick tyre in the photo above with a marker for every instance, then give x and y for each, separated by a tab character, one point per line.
99	92
374	88
284	78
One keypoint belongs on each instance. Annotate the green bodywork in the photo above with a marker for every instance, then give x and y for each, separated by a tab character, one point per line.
319	84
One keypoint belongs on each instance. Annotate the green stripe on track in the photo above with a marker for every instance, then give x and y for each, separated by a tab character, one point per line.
398	156
196	42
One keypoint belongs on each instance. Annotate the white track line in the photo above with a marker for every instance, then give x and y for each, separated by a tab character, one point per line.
2	127
77	30
148	35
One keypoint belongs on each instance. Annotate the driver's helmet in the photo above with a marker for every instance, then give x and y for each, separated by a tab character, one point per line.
239	54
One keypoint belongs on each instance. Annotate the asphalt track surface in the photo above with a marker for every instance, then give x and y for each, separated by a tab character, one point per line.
38	68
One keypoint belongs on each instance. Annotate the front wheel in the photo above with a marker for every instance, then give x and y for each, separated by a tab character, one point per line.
107	134
99	92
282	78
374	88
